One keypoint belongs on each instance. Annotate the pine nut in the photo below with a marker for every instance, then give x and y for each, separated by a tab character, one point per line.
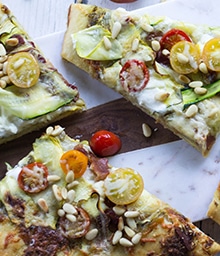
116	237
3	84
43	205
191	111
165	52
69	208
119	210
64	193
195	84
18	63
184	79
53	178
72	184
49	130
91	234
2	50
60	212
135	45
120	224
12	41
203	68
136	238
129	231
131	223
116	29
70	177
70	195
200	90
183	59
161	96
146	130
125	242
57	130
147	27
107	43
57	192
155	45
131	214
71	217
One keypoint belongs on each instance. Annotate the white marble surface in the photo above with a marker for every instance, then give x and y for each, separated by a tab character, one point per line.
175	172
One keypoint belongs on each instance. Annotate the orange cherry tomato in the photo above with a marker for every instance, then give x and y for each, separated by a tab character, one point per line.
172	37
210	54
184	57
134	75
123	186
74	160
105	143
23	69
33	177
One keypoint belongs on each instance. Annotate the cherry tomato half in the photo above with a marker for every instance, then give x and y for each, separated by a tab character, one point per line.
173	36
184	57
33	177
23	69
123	186
210	54
105	143
134	75
74	160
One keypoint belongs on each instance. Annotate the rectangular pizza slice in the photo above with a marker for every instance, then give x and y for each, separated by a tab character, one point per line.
167	68
61	199
32	91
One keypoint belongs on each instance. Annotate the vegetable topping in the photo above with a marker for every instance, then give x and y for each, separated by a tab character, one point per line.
74	160
123	186
105	143
23	69
134	75
33	177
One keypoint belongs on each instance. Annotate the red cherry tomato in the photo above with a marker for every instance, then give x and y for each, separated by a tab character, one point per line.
134	75
105	143
172	37
33	177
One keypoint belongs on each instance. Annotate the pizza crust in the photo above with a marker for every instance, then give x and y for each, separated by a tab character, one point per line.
214	207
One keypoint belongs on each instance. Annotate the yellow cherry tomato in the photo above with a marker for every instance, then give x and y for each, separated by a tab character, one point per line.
184	57
74	160
23	69
123	186
210	54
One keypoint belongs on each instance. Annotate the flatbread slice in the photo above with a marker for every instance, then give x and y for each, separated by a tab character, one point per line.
167	68
32	92
214	207
61	199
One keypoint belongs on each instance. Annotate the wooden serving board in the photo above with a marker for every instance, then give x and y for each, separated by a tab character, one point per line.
118	116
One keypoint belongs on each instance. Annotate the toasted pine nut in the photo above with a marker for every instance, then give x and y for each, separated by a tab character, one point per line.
135	45
61	212
43	205
146	130
131	214
70	177
116	237
147	27
120	224
192	110
129	231
200	90
203	68
2	50
91	234
12	41
69	208
195	84
161	96
116	29
155	45
53	178
119	210
184	79
71	217
136	238
125	242
107	43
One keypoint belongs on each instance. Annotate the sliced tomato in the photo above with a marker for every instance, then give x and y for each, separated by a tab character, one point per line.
105	143
74	160
173	36
184	57
33	177
134	75
123	186
23	69
210	54
75	229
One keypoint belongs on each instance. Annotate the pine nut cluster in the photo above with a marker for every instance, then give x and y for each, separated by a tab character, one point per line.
4	78
126	234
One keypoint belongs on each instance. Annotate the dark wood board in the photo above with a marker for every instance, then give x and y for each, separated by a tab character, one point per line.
118	116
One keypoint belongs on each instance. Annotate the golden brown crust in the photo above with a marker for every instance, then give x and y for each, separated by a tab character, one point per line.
214	207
